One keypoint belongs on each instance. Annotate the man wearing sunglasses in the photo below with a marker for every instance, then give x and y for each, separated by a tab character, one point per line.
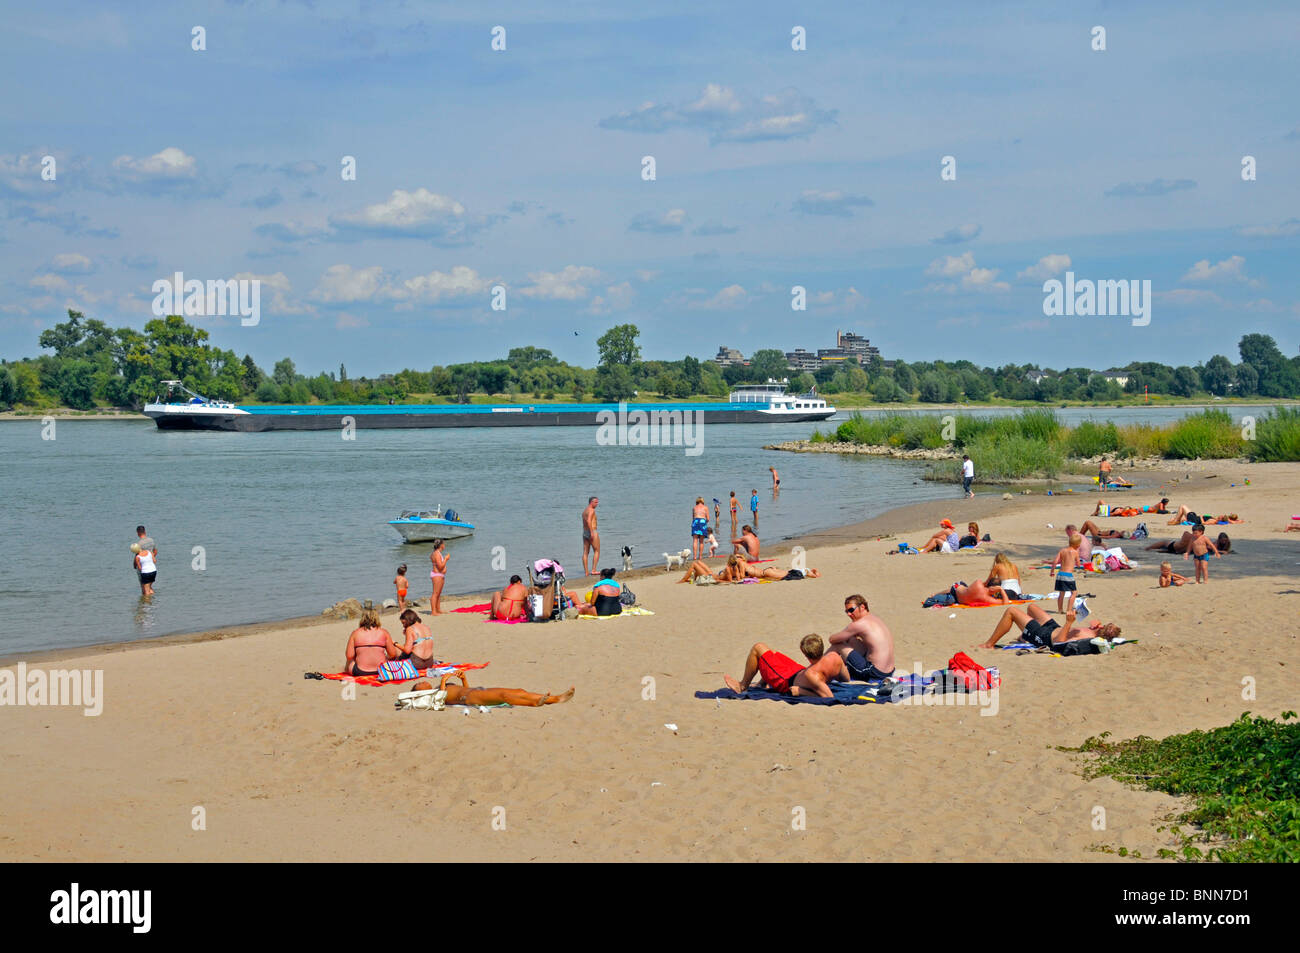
865	644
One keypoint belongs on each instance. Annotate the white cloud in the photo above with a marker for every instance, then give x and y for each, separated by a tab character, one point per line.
171	164
728	299
1230	269
950	266
418	214
1049	266
50	283
279	288
439	286
963	266
71	263
617	297
955	236
729	116
567	285
645	274
671	222
343	284
1282	230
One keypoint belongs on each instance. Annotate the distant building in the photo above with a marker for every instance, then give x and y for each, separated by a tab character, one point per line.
801	360
728	357
1116	375
848	346
1037	377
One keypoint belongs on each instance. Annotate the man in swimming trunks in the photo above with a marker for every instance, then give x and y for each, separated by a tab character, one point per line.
369	646
776	480
590	537
978	593
699	527
1175	546
785	676
1103	473
1039	630
865	644
1200	549
746	544
510	602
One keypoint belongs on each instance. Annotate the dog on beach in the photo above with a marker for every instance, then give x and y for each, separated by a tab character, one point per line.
627	558
675	559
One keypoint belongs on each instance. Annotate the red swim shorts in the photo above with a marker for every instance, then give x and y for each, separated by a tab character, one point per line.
778	670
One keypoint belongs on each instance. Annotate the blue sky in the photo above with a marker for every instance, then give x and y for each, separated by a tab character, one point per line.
774	168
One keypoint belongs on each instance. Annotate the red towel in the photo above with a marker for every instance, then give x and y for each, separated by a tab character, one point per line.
976	676
374	680
481	607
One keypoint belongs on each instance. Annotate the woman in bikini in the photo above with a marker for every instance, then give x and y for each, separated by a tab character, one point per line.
438	575
369	646
462	694
731	572
509	602
1004	575
418	644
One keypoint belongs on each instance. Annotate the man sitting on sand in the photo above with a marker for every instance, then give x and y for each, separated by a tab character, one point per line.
462	694
865	644
784	675
1040	630
747	544
510	602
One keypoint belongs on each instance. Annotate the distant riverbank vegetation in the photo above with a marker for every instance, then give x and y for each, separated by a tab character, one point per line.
1036	443
90	365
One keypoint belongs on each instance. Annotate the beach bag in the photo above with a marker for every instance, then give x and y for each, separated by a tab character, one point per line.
1113	563
397	670
537	609
1076	647
967	541
970	673
627	597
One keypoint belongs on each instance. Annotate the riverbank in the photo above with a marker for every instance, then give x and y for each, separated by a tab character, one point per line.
284	768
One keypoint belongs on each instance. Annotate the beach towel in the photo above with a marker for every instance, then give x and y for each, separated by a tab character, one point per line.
842	693
627	610
505	621
985	605
435	672
1030	646
481	607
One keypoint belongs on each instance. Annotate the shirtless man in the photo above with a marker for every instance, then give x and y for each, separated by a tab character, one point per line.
699	527
1089	528
776	480
746	544
979	593
1085	547
510	602
786	676
1041	631
1175	546
865	644
590	538
1200	548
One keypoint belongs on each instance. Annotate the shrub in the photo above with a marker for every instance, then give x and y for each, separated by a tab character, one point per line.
1143	440
1277	437
1039	424
1091	439
999	457
1211	434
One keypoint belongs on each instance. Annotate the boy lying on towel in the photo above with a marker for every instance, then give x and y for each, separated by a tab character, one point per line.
784	675
462	694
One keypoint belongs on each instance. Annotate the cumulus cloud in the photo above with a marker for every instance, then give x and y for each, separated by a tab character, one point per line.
343	284
672	222
726	115
277	293
1147	189
438	287
617	297
970	277
169	172
289	232
420	214
570	284
835	202
1230	269
955	236
20	174
1049	266
72	263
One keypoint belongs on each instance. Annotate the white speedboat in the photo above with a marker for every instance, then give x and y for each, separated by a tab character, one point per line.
422	526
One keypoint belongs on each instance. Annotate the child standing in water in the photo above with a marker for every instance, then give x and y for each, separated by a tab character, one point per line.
1067	560
1170	578
401	583
734	504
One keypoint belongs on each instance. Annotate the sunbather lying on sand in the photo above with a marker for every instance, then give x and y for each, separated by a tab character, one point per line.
979	593
1089	528
1184	513
782	674
1176	546
462	694
1040	630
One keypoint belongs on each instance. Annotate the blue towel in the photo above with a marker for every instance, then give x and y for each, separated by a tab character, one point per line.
843	693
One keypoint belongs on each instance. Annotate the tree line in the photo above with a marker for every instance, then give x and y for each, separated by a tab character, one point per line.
93	365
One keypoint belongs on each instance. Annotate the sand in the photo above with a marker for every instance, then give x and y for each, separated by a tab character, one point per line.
284	768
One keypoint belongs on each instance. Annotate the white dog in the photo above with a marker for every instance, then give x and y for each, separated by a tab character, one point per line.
675	559
627	558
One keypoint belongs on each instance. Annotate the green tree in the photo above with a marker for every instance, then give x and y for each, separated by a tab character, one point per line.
1185	383
8	389
769	363
691	373
1218	376
284	373
613	383
618	346
883	389
905	379
1247	380
934	389
976	386
252	374
492	377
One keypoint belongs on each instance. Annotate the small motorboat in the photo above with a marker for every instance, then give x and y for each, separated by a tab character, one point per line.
422	526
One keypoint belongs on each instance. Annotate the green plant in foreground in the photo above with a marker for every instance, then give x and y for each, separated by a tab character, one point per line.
1244	780
1277	436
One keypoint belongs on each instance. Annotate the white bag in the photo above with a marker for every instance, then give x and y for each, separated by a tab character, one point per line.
428	699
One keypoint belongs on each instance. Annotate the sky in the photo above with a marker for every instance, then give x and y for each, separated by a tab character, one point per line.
774	167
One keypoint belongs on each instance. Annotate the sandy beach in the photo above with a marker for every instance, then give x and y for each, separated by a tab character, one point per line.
285	768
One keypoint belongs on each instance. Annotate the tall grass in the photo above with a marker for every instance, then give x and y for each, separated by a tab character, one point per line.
1091	439
1013	457
1277	437
1211	434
